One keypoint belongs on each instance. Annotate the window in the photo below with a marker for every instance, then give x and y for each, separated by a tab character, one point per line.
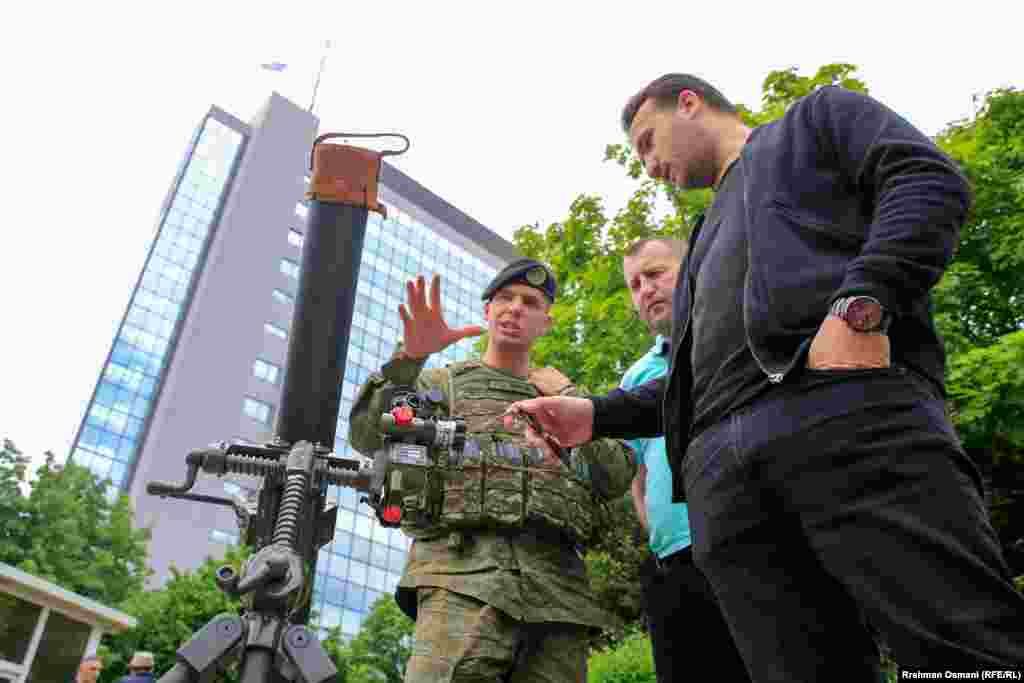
361	549
19	619
350	622
271	328
397	560
379	552
283	297
343	543
268	372
295	238
363	526
257	410
290	268
59	650
346	520
218	536
334	590
357	572
330	616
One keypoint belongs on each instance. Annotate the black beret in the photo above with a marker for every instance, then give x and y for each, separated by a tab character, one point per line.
525	271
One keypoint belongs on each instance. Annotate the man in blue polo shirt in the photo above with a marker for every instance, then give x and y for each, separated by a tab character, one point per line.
684	621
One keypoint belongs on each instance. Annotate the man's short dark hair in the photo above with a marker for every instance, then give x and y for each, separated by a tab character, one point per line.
665	92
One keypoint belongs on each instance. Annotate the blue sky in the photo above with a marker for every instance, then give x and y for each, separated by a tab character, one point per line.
508	107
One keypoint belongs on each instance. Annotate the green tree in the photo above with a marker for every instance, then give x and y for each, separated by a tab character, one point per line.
379	651
986	391
168	617
384	641
68	529
613	564
782	88
979	306
981	297
13	526
629	661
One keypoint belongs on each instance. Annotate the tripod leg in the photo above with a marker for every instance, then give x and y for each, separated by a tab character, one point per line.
308	656
179	673
207	646
256	665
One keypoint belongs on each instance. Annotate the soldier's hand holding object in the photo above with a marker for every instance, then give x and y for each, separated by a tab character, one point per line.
424	329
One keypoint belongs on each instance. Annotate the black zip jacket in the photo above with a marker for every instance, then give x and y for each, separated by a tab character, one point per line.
842	196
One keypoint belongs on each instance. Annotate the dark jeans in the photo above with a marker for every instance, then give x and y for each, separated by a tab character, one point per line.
686	626
841	495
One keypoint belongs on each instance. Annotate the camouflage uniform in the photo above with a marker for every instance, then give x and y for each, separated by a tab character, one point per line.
497	601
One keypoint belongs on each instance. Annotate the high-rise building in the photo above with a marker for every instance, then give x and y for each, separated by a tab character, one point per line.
200	354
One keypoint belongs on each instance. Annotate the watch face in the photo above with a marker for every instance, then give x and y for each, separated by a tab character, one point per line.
864	315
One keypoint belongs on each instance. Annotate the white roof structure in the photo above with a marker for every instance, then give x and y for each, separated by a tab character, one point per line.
32	601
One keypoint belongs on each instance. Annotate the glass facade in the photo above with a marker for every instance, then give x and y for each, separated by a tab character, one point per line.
271	328
290	268
109	437
365	560
268	372
224	537
257	410
282	297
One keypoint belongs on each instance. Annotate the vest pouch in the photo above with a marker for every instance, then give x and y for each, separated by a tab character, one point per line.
562	502
505	494
483	490
410	483
462	501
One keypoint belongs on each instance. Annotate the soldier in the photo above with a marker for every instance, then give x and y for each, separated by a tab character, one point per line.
495	578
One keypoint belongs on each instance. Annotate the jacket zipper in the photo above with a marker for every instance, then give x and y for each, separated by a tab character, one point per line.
773	377
686	328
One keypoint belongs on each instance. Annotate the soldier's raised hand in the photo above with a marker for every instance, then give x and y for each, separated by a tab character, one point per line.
424	329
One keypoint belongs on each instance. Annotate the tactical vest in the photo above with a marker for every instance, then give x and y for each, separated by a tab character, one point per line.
499	487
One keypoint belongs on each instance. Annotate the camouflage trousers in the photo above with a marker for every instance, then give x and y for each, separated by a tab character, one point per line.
459	639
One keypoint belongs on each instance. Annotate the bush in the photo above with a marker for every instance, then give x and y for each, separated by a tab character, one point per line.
629	662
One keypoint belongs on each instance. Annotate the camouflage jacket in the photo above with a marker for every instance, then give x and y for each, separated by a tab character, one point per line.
530	574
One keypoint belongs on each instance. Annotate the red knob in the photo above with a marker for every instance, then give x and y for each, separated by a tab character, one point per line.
403	415
392	514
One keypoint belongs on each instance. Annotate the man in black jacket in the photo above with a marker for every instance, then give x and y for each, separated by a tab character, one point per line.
803	411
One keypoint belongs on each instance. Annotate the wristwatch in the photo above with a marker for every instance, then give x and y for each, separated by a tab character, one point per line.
862	313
